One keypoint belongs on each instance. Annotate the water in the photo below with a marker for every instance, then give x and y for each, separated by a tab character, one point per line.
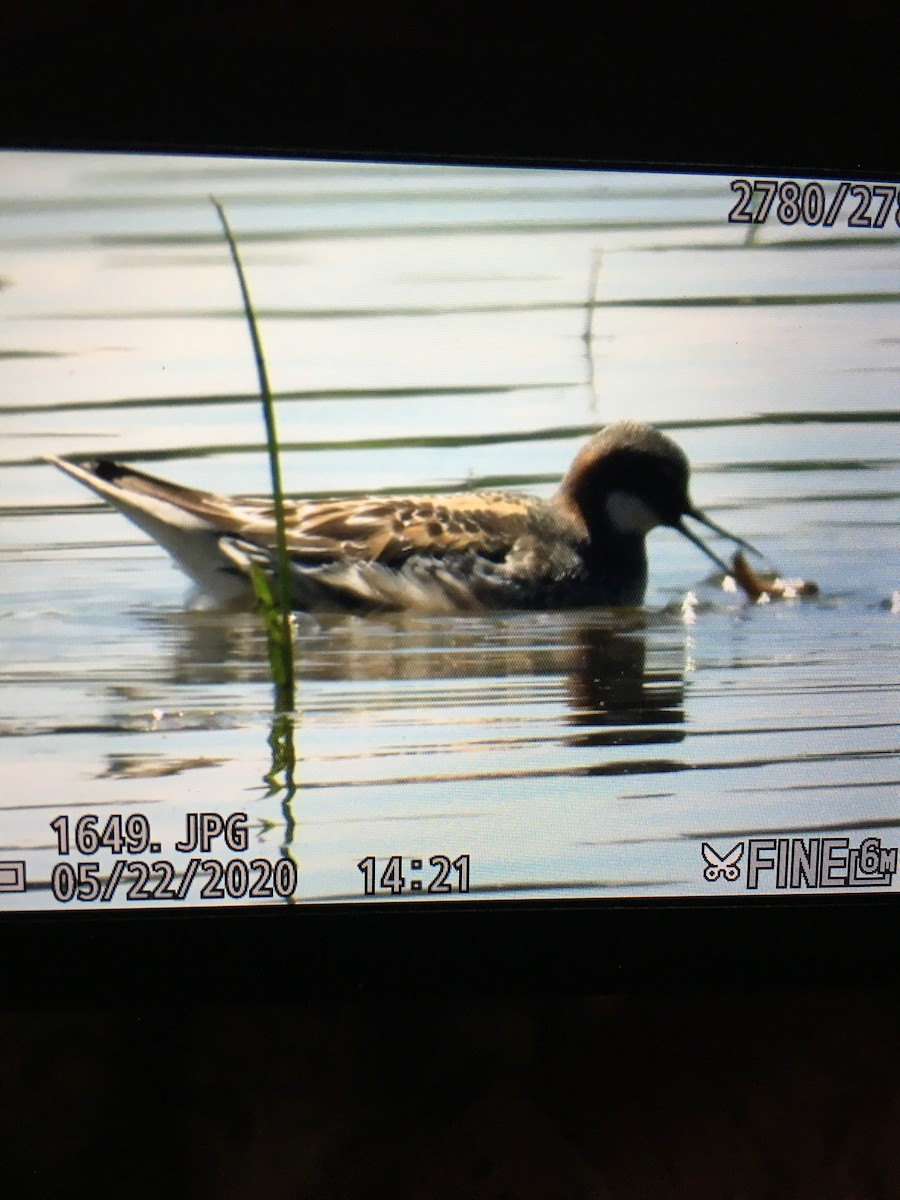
425	329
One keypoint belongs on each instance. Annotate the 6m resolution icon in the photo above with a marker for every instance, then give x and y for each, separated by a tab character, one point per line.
815	862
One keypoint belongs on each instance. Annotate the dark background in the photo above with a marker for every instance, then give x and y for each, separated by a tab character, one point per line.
749	82
751	1054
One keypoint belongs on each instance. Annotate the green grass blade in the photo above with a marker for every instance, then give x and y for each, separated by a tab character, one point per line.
276	608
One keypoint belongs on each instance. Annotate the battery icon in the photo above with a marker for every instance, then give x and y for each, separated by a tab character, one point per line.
12	876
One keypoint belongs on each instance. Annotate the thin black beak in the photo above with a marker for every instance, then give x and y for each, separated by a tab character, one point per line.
704	520
701	545
696	515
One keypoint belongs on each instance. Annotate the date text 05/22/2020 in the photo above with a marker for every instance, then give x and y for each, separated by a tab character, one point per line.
136	879
162	880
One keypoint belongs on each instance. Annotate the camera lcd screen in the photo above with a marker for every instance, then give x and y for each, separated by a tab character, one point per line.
591	484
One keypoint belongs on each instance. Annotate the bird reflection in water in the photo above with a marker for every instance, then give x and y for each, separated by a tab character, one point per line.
619	672
618	697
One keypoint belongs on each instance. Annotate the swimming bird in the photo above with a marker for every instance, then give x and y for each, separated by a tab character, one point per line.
465	552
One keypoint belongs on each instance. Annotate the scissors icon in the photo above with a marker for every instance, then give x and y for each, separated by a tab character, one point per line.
725	865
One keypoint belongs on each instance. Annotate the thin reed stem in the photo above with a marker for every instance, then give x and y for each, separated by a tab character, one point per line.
278	628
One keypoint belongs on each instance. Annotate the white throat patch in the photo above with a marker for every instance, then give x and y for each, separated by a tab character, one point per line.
629	514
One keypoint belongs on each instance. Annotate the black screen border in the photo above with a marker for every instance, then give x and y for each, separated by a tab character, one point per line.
384	950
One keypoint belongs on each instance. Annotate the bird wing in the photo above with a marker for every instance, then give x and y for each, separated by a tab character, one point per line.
391	529
383	529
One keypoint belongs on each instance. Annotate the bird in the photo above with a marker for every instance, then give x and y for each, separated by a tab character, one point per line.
465	552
